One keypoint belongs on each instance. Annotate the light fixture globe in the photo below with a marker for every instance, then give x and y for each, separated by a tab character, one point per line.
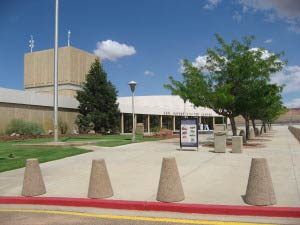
132	85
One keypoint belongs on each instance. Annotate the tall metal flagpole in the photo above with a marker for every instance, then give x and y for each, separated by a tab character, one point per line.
55	74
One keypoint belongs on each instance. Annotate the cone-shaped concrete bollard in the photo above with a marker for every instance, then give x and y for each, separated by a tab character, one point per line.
260	190
170	187
33	183
100	186
252	134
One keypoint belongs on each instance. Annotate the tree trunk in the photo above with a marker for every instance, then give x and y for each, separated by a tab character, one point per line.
253	124
247	125
263	126
256	130
233	126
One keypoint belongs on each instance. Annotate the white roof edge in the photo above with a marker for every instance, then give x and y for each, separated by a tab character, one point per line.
29	98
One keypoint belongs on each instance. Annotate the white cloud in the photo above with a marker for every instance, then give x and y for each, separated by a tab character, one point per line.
286	10
181	68
265	53
113	50
237	16
294	29
290	76
295	103
268	41
200	62
148	73
211	4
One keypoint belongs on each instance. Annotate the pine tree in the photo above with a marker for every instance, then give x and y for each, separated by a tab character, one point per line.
98	105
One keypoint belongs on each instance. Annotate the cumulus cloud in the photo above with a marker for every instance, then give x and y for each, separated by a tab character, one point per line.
211	4
268	41
286	10
265	53
200	62
295	103
148	73
290	77
113	50
237	16
181	68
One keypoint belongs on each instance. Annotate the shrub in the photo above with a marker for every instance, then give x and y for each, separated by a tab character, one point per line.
63	126
22	127
155	129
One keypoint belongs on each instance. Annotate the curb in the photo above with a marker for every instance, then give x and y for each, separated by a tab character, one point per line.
291	212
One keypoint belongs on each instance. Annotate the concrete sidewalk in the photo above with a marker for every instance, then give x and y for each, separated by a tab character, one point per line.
207	177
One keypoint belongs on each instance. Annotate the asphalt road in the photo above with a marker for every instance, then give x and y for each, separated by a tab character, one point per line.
44	217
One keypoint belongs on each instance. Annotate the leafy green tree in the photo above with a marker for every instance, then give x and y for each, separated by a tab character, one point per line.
255	66
230	80
217	88
98	105
273	105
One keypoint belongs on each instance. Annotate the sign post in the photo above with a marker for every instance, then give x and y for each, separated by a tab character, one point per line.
189	132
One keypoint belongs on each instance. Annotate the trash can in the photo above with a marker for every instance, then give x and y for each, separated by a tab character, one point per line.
220	142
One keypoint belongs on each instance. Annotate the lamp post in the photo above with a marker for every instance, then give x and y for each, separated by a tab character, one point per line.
132	85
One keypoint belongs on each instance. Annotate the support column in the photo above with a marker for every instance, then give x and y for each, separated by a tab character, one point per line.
148	124
213	122
122	123
174	123
160	122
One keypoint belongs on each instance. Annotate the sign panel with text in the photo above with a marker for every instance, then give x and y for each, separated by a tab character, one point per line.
189	132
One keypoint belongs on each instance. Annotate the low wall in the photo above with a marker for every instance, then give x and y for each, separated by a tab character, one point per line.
39	114
295	131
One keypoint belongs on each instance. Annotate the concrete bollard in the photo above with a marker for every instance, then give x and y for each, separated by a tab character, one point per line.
237	144
170	187
256	131
33	183
220	142
252	134
243	135
100	186
260	191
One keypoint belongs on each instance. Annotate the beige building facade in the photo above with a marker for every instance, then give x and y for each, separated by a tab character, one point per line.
39	114
73	65
17	104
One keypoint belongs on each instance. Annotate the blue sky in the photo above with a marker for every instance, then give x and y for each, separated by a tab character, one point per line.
145	40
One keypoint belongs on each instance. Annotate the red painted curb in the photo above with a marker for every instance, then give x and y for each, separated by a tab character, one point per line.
293	212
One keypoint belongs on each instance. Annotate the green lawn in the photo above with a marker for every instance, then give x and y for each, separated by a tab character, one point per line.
13	157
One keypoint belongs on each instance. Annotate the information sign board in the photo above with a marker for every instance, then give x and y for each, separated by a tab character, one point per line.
189	132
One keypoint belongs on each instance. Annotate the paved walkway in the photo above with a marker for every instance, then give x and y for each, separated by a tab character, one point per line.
207	177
